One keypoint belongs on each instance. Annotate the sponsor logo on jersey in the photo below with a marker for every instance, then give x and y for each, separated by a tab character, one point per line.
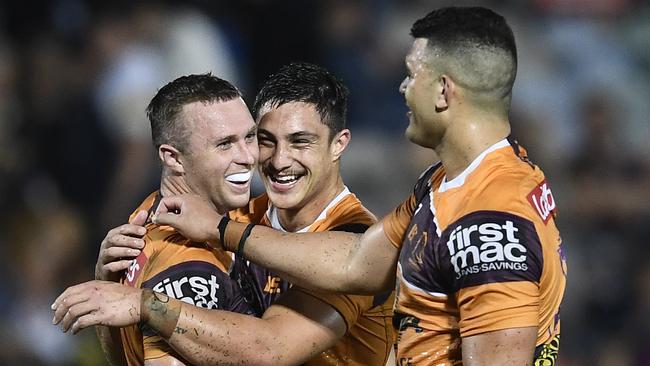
133	272
196	283
486	247
491	246
541	198
200	290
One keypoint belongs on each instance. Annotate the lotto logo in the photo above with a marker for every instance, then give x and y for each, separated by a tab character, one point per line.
542	200
486	247
195	290
135	268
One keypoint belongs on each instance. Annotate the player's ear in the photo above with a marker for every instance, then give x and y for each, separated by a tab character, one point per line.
170	157
445	88
340	143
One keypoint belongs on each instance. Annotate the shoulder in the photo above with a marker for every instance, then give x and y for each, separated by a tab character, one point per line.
511	185
147	204
350	211
166	247
425	181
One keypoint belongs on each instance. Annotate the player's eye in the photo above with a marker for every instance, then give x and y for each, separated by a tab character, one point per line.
265	141
224	145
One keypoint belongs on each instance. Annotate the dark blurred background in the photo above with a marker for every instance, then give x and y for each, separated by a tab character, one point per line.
76	156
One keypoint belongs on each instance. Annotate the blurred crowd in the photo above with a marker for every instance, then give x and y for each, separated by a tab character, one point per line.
76	155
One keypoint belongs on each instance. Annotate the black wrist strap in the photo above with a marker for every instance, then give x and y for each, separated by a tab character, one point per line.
242	240
223	223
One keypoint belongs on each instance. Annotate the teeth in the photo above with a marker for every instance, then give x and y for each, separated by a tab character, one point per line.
239	177
285	178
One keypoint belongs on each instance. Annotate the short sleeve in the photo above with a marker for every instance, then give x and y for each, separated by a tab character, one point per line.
396	222
496	261
350	307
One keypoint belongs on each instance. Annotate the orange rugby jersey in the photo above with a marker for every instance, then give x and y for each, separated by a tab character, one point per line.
184	270
479	253
369	337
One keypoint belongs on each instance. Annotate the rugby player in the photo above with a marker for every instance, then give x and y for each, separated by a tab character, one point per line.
206	142
475	248
301	115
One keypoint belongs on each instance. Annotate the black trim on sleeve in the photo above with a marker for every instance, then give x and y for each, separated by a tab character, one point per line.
351	228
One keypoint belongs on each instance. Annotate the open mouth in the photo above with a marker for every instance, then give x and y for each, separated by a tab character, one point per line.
284	179
283	182
240	178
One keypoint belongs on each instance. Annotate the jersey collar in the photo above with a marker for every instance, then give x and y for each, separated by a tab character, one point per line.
460	179
274	219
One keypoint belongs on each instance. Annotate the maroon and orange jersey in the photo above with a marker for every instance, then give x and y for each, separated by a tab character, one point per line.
479	253
369	337
189	271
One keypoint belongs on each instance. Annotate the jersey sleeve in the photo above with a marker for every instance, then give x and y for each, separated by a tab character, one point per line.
496	259
350	307
197	283
397	221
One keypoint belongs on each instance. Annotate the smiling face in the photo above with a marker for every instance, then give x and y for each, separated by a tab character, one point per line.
221	152
298	160
422	90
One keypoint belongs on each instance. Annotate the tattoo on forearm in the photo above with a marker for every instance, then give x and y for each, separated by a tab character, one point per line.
161	313
180	330
159	303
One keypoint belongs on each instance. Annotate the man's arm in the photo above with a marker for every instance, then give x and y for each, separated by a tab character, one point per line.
515	346
116	251
289	333
329	261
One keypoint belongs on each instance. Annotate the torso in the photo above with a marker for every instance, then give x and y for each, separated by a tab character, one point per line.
478	253
179	268
369	338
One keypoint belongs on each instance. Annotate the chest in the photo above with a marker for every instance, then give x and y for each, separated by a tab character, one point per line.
260	287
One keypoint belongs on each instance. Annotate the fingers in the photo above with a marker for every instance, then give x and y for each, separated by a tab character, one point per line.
164	218
131	230
118	252
169	204
96	303
140	218
70	291
76	311
117	266
120	243
85	321
69	298
123	236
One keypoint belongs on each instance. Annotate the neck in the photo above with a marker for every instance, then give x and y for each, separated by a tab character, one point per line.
172	184
466	138
295	219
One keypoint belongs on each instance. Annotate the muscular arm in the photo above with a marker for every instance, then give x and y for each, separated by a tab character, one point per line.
329	261
509	347
290	332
